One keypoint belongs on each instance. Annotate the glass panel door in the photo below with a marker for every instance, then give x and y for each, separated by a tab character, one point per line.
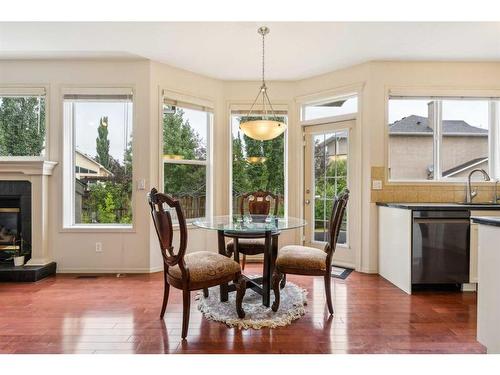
326	176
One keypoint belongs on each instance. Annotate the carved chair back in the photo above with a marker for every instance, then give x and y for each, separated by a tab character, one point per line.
162	220
339	207
259	203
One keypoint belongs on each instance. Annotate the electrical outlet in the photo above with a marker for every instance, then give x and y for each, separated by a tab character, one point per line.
141	184
377	185
98	247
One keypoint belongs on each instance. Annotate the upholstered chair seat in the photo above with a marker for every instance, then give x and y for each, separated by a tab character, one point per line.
248	246
206	266
303	260
295	257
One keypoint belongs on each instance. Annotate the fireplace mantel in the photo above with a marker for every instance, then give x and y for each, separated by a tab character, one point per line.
38	172
26	166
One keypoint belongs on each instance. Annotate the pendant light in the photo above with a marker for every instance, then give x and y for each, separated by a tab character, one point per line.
256	159
268	127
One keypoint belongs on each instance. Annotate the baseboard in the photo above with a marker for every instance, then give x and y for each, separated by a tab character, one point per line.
344	264
469	287
109	270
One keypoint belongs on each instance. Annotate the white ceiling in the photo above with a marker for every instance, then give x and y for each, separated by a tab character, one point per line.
231	51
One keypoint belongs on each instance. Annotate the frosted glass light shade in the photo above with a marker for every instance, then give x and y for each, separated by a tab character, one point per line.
256	159
263	130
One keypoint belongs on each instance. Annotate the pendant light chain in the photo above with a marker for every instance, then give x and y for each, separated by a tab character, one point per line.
263	89
263	60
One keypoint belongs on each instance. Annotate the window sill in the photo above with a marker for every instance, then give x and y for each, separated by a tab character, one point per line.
437	183
89	228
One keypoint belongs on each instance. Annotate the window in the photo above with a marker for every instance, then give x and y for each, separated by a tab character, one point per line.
441	139
330	108
100	159
22	122
257	164
186	132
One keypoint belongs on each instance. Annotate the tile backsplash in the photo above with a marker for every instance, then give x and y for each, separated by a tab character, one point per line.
423	193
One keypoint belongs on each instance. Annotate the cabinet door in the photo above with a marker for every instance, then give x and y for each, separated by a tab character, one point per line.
474	240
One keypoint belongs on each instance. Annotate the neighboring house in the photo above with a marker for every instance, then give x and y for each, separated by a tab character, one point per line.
335	145
87	167
464	147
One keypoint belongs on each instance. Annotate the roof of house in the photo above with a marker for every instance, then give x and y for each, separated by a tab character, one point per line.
419	124
462	167
92	160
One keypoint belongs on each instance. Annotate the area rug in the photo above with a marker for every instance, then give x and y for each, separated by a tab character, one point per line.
257	316
341	272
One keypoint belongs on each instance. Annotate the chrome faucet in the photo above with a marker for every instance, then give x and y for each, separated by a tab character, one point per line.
472	193
495	193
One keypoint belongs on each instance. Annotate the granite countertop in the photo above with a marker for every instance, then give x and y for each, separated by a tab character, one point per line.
441	206
487	220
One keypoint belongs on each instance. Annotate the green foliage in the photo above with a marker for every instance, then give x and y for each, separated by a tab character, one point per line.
269	175
331	180
102	143
22	126
109	201
179	138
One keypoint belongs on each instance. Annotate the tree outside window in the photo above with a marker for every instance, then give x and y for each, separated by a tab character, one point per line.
22	125
257	165
185	154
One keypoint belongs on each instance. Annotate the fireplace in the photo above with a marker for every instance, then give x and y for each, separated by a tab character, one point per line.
15	219
24	194
10	228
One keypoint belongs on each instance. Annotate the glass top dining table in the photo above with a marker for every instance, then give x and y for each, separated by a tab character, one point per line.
249	224
239	227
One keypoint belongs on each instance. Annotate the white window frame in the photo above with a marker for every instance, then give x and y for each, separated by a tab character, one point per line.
184	100
246	107
35	91
68	206
493	138
328	99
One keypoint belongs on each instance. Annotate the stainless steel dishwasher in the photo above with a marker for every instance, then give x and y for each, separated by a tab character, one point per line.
440	248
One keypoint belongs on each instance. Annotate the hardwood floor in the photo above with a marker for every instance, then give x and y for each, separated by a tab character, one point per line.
66	314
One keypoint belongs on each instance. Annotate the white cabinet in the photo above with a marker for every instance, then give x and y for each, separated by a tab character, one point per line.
474	242
488	296
394	246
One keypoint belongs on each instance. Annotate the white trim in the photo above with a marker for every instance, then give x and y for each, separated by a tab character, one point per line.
26	165
98	90
433	92
184	161
68	151
61	270
22	91
186	98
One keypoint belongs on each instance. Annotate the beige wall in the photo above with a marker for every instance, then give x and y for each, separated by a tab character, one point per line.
137	250
74	250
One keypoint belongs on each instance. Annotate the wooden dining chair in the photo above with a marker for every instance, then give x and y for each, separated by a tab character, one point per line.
304	260
255	203
193	271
